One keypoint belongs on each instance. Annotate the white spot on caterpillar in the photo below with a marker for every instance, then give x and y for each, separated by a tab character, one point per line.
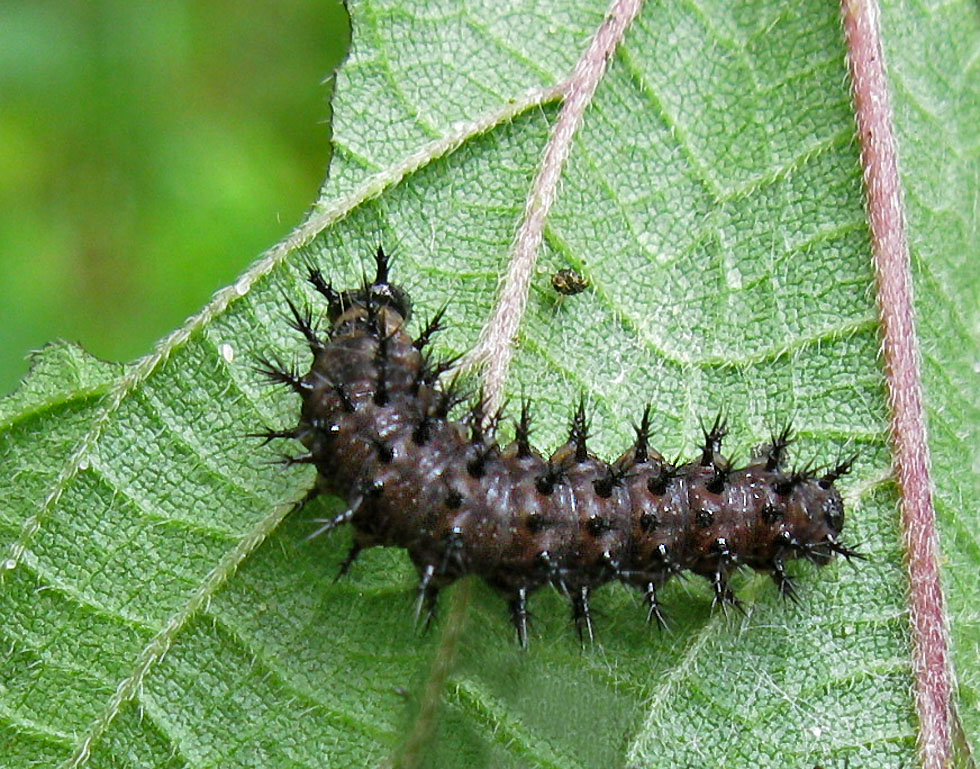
227	352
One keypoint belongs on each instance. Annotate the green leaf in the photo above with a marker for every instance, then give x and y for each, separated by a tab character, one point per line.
163	608
45	418
60	373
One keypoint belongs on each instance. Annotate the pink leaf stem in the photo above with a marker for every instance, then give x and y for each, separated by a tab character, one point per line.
902	370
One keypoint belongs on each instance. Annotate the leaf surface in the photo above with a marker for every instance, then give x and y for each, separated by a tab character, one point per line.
165	611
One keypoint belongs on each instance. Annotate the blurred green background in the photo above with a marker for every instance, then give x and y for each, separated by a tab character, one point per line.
149	151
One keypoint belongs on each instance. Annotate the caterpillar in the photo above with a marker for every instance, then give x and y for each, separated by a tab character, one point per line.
376	424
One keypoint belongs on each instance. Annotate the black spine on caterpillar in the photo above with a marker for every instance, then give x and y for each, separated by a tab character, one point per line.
375	422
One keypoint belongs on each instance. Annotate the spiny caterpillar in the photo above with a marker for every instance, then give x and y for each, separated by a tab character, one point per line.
376	424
